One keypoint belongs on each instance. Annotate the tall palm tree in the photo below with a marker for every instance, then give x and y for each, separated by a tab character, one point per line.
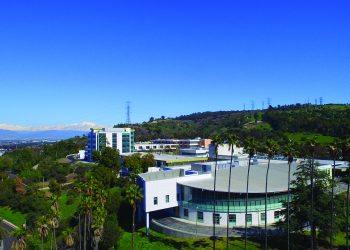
54	217
311	147
346	152
289	152
270	148
68	238
335	151
43	229
134	195
85	207
251	146
232	140
3	233
20	242
79	188
98	222
217	142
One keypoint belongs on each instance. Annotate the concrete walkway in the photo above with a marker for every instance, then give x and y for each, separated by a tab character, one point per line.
198	230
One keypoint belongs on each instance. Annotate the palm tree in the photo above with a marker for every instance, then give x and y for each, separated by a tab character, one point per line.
79	188
233	140
98	222
217	141
68	238
134	195
346	152
54	220
289	152
20	242
270	148
311	146
250	145
335	151
43	229
3	233
85	207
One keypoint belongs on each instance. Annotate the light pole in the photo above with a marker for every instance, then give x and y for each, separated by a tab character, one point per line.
196	219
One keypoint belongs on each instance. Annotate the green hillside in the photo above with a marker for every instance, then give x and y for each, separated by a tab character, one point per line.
290	121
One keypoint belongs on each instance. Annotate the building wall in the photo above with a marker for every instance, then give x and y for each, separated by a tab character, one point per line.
204	143
223	150
160	189
208	217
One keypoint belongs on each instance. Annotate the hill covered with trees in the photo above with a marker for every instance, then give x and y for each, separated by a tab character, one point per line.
282	122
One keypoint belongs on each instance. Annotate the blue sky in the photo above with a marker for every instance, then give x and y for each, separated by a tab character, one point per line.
72	61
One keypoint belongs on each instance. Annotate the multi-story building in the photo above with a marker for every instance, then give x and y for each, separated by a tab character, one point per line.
183	143
121	139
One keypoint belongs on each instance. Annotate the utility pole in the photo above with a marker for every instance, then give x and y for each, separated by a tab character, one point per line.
128	112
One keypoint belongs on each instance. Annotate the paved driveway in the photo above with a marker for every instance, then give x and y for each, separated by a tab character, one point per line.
192	228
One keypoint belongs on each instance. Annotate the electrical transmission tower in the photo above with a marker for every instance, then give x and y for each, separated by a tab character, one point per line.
128	112
321	100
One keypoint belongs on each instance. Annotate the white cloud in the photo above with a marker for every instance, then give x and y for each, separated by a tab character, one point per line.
82	126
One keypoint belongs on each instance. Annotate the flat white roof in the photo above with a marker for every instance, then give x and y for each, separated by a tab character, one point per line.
278	177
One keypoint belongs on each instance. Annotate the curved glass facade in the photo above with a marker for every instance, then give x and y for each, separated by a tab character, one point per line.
203	200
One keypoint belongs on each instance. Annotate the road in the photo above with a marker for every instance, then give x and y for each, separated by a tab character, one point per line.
7	241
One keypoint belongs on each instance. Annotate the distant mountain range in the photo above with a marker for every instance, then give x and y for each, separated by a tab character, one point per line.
44	132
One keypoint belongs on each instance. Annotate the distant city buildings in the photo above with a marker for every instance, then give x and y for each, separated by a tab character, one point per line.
121	139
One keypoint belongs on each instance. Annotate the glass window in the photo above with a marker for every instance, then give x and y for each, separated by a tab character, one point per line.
232	219
216	218
249	219
262	217
155	201
185	212
167	198
200	216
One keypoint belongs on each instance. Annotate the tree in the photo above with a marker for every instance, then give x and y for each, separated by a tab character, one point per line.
301	202
335	151
20	242
134	195
108	157
217	141
310	147
251	146
68	238
270	149
346	154
133	163
147	162
54	217
43	229
289	152
55	187
232	140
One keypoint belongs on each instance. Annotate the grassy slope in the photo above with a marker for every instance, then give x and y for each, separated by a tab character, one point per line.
65	209
16	218
300	137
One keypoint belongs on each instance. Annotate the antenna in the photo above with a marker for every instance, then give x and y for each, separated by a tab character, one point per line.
262	105
253	105
268	101
128	112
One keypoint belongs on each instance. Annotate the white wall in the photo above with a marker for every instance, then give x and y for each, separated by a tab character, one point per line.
207	218
160	189
224	150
